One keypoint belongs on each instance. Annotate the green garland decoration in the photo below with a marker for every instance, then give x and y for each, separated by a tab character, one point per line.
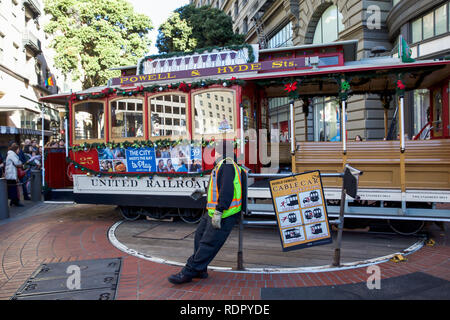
345	87
141	144
163	143
140	90
251	54
138	175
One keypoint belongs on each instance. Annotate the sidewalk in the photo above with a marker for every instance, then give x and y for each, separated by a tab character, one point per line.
50	233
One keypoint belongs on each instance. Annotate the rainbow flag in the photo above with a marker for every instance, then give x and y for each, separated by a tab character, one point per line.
49	82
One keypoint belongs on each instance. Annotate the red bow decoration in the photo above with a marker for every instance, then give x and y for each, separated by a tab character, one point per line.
400	85
73	97
290	87
233	78
183	87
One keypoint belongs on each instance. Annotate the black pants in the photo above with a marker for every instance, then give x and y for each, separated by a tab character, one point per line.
208	242
13	194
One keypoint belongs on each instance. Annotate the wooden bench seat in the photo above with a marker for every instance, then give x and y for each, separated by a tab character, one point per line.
426	162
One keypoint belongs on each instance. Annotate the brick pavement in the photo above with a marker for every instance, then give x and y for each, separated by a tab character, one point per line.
79	232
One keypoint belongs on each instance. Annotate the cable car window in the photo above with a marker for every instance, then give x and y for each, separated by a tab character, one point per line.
170	116
89	120
127	118
222	121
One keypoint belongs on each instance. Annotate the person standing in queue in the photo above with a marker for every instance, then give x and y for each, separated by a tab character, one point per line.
223	206
11	175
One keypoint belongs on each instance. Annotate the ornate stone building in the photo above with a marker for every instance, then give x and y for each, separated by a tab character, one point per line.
376	25
27	73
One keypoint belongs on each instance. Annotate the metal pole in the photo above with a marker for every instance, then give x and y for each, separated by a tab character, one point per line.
67	136
36	187
4	208
240	254
291	110
242	133
43	146
343	133
337	250
402	126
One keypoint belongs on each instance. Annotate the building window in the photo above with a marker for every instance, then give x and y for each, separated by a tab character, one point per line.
214	123
417	30
236	8
245	26
89	121
326	119
440	16
432	24
329	26
421	108
282	38
127	119
170	117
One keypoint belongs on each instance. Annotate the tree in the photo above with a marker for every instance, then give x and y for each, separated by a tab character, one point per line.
91	36
175	35
206	27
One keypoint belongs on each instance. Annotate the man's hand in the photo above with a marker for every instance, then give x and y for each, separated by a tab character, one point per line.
216	218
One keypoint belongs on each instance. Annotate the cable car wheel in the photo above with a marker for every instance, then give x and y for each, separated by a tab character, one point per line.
160	213
406	227
191	216
129	213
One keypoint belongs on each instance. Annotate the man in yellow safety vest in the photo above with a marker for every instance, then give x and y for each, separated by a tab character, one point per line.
224	204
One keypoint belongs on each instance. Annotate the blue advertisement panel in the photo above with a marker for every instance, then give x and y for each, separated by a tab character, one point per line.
141	160
177	159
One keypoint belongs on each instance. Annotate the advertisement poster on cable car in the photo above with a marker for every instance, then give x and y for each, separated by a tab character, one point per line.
300	207
181	159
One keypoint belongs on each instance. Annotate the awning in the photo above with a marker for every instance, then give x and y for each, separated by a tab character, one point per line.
25	131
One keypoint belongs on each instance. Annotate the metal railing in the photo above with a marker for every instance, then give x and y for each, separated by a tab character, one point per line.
32	42
34	6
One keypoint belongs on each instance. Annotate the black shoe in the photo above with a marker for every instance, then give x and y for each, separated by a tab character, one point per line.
179	278
201	275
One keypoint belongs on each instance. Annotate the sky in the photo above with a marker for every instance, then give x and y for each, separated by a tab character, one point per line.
158	11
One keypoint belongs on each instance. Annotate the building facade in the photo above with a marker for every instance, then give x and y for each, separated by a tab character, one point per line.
27	73
377	25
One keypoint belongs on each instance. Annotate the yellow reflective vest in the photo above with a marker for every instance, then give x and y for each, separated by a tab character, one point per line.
213	191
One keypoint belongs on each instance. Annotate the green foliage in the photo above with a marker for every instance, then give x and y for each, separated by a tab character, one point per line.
191	28
175	35
91	36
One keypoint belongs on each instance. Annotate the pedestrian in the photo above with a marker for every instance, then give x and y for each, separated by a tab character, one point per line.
24	157
2	166
12	163
61	143
224	207
34	145
27	146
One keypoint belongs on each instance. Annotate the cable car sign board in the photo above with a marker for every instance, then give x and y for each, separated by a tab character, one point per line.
301	210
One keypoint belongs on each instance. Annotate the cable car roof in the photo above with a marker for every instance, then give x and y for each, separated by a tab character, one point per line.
371	75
